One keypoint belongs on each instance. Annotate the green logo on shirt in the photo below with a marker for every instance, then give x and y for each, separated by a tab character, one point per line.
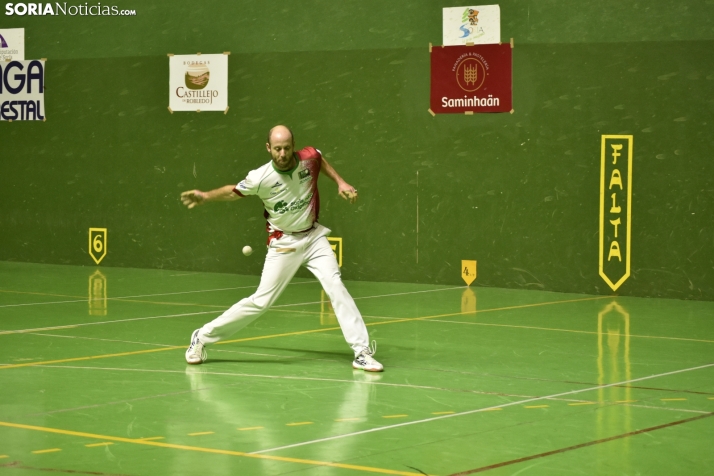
297	205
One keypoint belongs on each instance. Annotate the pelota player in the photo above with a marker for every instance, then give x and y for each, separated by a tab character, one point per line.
287	185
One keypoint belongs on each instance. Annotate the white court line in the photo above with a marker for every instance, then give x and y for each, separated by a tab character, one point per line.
520	402
153	344
368	376
279	356
141	295
70	326
378	296
66	326
102	340
575	331
198	371
211	290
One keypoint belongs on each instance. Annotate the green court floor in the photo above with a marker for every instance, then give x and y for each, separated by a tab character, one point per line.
476	380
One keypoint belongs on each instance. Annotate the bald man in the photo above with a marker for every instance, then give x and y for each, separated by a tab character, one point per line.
287	185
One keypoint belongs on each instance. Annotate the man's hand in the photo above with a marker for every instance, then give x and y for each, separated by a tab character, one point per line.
347	192
192	198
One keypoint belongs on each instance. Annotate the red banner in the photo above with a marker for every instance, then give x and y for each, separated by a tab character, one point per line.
471	79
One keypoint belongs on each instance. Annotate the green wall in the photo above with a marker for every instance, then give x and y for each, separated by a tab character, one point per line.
519	193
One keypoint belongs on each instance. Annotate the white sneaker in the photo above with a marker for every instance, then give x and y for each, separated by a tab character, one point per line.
196	353
365	360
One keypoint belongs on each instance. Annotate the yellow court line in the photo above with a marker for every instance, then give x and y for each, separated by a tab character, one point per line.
537	406
116	299
201	433
171	303
710	398
207	450
271	336
288	334
394	416
442	413
572	330
466	313
396	319
252	428
39	329
90	357
42	294
521	306
299	423
161	349
152	438
93	445
4	456
51	450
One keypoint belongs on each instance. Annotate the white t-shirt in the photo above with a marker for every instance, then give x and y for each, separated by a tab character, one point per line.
291	198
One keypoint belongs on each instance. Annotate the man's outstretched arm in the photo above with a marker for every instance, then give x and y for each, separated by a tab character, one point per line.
191	198
344	190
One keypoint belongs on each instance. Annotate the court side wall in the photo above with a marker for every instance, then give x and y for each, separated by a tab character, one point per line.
518	192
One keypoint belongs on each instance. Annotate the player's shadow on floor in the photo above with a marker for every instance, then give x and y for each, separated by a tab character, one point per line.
237	360
337	355
300	356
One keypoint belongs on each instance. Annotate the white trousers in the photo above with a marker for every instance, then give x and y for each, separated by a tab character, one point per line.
285	256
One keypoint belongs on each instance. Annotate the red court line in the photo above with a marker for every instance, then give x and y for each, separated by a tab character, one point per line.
17	465
665	389
582	445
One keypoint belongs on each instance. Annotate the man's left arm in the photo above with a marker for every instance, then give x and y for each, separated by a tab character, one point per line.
344	189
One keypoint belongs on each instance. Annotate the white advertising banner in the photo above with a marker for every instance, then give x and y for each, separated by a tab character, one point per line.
198	82
12	44
478	25
22	90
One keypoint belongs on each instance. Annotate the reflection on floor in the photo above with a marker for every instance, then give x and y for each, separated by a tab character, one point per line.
476	380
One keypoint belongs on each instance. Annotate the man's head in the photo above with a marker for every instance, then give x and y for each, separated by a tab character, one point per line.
281	145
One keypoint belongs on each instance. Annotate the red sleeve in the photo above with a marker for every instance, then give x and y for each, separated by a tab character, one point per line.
309	153
313	158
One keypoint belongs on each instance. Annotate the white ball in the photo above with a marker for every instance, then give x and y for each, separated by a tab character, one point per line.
247	250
